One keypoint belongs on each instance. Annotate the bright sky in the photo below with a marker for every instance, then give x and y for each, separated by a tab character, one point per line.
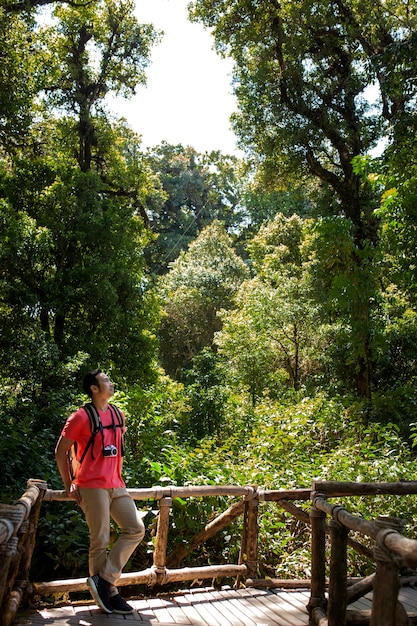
188	98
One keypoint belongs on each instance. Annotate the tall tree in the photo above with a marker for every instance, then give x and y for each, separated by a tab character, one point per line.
203	280
17	82
73	208
303	74
95	49
266	339
79	280
198	189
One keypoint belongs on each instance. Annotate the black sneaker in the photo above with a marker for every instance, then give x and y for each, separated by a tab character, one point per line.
100	590
120	606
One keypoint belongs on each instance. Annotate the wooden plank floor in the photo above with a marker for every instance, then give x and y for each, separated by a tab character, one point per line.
201	607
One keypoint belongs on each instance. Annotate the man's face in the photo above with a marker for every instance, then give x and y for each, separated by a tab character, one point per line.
104	384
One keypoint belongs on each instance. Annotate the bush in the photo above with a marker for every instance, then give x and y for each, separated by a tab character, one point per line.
277	444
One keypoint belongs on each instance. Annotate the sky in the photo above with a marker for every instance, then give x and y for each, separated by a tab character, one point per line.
188	98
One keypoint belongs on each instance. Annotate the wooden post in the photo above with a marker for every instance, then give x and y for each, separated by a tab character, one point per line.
251	548
30	534
159	555
11	518
336	612
244	540
20	520
318	560
387	582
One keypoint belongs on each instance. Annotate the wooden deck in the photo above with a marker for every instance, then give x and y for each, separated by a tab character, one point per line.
201	607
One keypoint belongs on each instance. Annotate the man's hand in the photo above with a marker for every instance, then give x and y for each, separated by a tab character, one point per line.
74	493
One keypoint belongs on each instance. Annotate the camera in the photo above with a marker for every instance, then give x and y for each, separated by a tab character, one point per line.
110	451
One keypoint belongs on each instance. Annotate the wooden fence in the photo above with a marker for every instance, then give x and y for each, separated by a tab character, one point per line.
391	553
17	541
330	591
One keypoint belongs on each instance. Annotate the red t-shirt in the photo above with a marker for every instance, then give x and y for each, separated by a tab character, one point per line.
100	471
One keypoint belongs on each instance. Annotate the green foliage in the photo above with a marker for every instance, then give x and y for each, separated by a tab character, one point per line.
117	54
81	266
154	415
191	516
276	250
397	352
328	308
297	103
302	78
202	281
62	543
287	444
266	340
280	443
196	190
72	217
344	278
395	177
207	397
263	201
35	402
321	438
17	83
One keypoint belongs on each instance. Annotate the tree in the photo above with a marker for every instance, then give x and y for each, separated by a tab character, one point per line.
73	209
342	288
79	280
303	73
73	190
9	6
262	202
267	338
17	83
96	48
198	189
201	281
248	352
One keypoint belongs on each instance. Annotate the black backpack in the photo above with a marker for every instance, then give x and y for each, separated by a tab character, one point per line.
96	426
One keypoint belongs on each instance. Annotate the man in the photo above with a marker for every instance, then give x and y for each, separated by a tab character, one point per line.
100	491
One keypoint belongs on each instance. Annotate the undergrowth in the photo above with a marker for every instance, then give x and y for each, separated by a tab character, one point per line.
285	445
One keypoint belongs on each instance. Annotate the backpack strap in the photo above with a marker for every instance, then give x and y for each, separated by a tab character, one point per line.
93	415
119	415
95	422
96	426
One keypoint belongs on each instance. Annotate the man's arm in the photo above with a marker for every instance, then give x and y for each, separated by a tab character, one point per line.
62	447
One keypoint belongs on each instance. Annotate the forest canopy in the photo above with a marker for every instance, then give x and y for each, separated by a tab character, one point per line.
258	315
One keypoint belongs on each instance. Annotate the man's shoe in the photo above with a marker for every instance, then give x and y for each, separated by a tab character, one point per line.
100	590
120	606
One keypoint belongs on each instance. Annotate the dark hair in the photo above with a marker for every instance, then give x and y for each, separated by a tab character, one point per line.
90	379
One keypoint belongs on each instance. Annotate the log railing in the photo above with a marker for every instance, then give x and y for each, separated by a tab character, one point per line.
18	528
163	569
17	541
392	551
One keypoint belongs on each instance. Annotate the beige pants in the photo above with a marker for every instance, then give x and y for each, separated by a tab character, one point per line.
98	505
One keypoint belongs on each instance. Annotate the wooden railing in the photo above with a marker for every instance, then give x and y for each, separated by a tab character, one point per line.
17	541
18	529
391	552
